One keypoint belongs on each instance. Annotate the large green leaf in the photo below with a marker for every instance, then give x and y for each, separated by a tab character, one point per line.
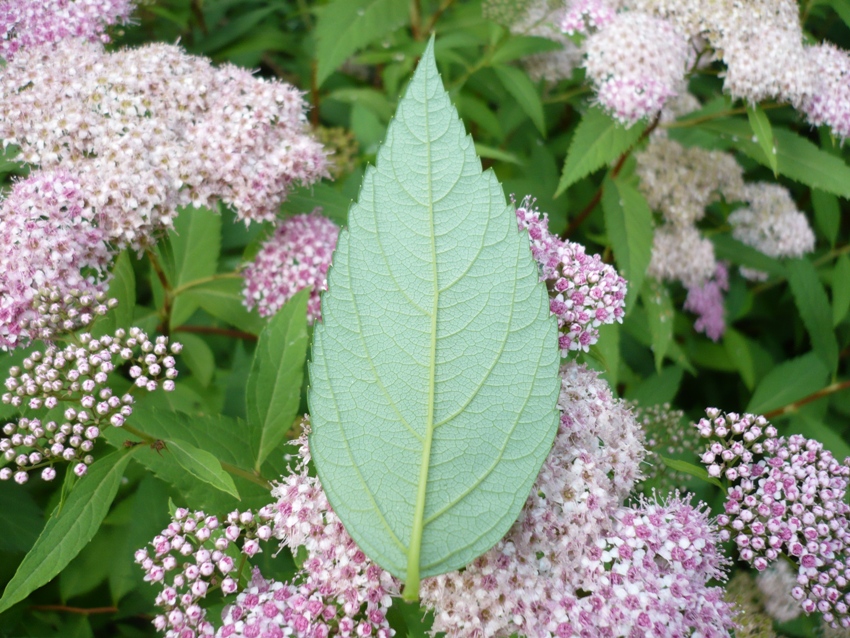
659	312
223	299
764	135
813	305
202	465
122	287
273	392
840	289
598	140
628	221
68	530
789	382
522	89
345	26
434	375
196	242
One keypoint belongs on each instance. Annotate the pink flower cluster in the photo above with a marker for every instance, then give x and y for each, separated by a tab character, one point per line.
829	102
706	301
298	255
76	377
786	496
579	563
584	291
24	23
146	130
51	252
195	554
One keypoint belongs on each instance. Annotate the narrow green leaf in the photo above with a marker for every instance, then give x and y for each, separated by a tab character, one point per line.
730	249
520	46
20	519
196	242
334	204
434	377
690	469
273	391
813	305
198	357
764	134
202	465
346	26
827	214
222	298
480	113
659	312
520	86
840	289
659	388
123	288
628	222
738	349
498	154
598	141
67	532
789	382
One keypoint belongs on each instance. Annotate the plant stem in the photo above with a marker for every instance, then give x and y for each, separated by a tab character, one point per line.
436	16
204	280
76	610
416	19
793	407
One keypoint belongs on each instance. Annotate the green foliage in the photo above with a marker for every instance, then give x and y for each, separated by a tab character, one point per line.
435	339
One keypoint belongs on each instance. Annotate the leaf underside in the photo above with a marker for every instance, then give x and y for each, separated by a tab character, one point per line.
434	372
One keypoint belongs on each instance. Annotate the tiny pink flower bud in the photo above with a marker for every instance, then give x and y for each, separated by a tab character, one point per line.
48	474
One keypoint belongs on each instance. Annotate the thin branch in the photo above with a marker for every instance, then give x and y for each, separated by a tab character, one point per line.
85	611
437	15
597	197
204	280
793	407
211	330
416	19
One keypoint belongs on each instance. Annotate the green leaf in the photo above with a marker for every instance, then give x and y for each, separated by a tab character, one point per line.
434	372
222	298
827	214
840	289
659	388
738	349
813	305
304	199
20	518
123	288
520	46
198	357
69	530
202	465
628	221
520	86
346	26
764	134
196	242
729	249
598	141
273	392
497	154
659	312
691	469
789	382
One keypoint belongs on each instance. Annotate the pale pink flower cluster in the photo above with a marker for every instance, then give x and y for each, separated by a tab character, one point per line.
681	253
77	377
296	256
829	101
27	23
539	19
775	584
196	554
51	252
786	497
146	130
584	291
706	301
578	563
772	224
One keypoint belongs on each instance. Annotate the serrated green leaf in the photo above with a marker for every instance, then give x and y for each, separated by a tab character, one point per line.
827	214
69	530
628	222
691	469
598	140
789	382
346	26
659	312
123	288
196	243
738	349
813	306
202	465
198	357
434	372
273	391
840	289
764	135
520	86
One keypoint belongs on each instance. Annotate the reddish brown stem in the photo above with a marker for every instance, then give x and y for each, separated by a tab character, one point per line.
597	197
211	330
814	396
86	611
